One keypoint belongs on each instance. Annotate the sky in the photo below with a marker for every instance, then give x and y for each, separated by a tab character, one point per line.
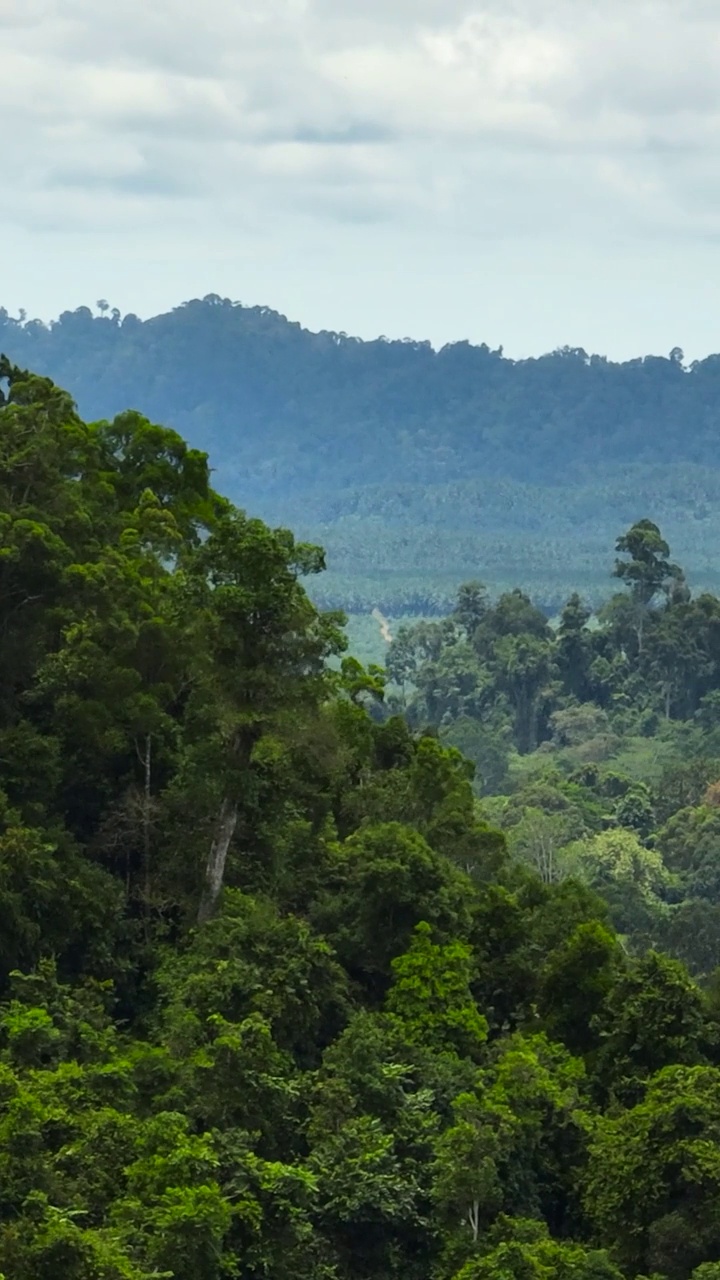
527	173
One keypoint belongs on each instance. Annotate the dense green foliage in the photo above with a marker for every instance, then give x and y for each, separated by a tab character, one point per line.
597	740
276	1002
383	451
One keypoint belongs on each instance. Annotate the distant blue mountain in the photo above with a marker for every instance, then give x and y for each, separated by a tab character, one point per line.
411	464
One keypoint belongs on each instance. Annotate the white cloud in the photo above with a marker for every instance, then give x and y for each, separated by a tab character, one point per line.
554	119
571	77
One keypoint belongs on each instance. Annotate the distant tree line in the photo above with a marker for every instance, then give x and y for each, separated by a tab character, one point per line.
404	460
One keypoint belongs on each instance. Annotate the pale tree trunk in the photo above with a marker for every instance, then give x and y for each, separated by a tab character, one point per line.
546	859
240	749
147	815
541	853
474	1219
215	866
640	630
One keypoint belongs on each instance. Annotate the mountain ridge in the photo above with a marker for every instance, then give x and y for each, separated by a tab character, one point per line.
345	438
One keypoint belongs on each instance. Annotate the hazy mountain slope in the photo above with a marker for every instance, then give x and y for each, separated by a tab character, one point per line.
407	462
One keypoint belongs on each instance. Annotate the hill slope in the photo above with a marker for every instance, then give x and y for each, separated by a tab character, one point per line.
416	468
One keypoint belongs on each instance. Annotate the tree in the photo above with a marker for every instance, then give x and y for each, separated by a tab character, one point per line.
366	1198
575	726
653	1185
53	902
682	785
538	839
653	1017
634	810
675	659
688	844
632	878
576	981
47	1243
647	571
386	880
373	1123
268	646
456	684
544	1087
692	935
173	1212
574	649
524	665
467	1184
414	646
249	959
471	606
431	994
515	1141
522	1249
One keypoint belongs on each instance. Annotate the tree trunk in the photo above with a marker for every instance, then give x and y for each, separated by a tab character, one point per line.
215	866
241	749
147	802
545	860
640	630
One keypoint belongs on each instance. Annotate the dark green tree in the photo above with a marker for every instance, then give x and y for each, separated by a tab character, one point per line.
647	571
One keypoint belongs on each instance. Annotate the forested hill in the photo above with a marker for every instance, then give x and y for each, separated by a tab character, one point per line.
278	1001
384	449
290	405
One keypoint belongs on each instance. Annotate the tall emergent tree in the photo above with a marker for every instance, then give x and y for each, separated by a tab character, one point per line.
648	570
266	645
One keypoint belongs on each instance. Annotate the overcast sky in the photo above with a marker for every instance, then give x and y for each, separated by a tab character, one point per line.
531	173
